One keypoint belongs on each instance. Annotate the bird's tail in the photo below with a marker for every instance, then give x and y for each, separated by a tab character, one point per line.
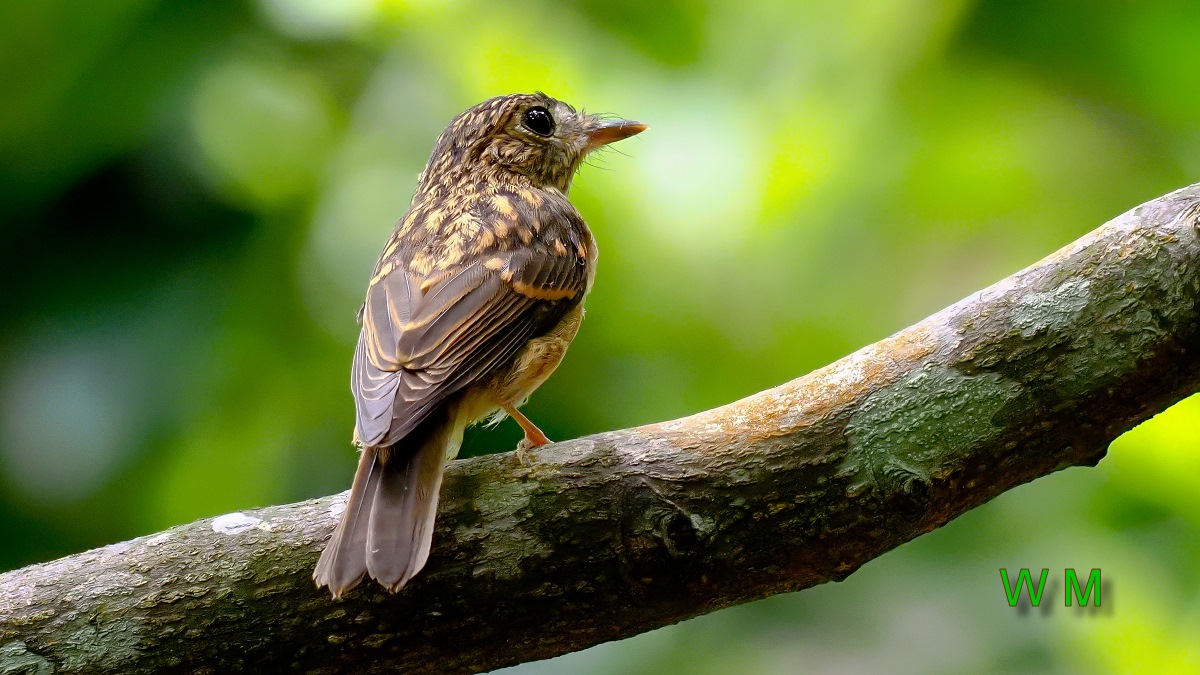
387	528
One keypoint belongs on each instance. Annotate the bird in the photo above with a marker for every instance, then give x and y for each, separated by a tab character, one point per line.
470	308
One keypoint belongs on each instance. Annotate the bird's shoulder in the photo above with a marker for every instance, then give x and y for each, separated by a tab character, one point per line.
453	229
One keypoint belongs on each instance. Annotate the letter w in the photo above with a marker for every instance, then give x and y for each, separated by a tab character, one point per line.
1023	579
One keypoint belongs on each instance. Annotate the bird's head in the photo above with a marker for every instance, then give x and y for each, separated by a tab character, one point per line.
530	135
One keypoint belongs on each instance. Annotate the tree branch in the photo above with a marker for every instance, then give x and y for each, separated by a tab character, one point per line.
618	533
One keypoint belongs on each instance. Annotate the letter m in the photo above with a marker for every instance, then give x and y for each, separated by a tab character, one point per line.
1071	581
1013	591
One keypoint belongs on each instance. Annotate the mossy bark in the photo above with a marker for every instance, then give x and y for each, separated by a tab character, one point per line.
618	533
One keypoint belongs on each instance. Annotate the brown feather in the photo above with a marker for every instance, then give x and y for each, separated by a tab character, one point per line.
387	528
466	319
344	560
400	532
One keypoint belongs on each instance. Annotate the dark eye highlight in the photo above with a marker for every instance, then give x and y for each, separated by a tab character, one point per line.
538	120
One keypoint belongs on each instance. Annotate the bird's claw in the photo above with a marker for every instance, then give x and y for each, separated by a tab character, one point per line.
523	447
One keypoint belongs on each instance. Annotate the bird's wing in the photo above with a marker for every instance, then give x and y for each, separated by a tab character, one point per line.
426	337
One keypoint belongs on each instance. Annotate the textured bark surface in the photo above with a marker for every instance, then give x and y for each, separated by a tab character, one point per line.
614	534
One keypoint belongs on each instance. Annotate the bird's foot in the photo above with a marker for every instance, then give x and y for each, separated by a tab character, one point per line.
534	437
526	444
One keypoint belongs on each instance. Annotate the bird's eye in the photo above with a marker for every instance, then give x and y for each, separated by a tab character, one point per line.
538	120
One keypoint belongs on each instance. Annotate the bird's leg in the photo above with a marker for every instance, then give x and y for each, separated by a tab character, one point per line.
533	436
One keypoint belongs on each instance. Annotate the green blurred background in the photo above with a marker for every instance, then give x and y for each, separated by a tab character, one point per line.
192	196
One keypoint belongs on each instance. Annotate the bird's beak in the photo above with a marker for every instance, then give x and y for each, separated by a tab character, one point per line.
612	131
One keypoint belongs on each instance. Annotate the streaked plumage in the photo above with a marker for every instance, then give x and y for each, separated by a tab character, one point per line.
473	303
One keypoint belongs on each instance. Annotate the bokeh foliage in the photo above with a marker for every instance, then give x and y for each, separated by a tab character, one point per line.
192	195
